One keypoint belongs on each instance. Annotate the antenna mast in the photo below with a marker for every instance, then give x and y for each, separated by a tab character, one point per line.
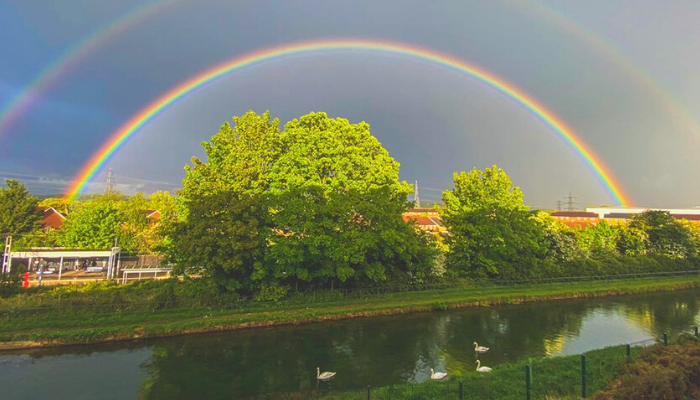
416	196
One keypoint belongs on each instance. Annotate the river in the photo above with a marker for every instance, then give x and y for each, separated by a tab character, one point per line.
373	351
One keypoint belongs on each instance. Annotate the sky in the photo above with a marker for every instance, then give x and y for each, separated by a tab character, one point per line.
625	79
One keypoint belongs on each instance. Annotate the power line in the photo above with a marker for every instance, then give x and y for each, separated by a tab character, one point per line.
109	182
570	202
433	189
148	180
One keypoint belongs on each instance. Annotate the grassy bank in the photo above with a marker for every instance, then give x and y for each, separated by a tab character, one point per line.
26	328
553	378
651	373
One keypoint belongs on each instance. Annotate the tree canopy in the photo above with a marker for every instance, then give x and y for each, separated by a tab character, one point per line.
316	203
18	210
492	233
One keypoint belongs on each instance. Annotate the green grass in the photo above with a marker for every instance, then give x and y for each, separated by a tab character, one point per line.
75	326
552	378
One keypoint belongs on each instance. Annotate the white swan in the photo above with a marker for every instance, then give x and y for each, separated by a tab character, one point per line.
326	376
480	349
437	375
480	368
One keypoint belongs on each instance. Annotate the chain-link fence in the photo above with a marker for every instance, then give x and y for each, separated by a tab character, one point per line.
550	378
166	297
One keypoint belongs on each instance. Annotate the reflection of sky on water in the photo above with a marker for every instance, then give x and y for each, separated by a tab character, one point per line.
600	327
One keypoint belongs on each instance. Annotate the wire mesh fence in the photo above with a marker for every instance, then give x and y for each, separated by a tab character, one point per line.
411	391
165	298
571	377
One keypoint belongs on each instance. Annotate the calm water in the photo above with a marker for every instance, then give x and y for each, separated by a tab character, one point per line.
375	351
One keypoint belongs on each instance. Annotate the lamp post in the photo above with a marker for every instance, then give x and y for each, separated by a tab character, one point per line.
39	272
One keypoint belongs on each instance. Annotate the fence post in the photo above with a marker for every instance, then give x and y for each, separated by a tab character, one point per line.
629	352
696	331
583	376
461	390
665	339
527	382
369	389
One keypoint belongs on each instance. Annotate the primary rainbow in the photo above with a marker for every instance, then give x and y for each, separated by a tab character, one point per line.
99	158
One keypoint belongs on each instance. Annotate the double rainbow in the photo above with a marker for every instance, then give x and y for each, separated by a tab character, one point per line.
99	158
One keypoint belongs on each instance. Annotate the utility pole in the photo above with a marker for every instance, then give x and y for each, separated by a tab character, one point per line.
416	196
109	182
570	202
559	203
6	255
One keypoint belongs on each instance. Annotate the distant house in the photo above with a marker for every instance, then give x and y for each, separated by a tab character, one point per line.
152	214
51	219
427	219
576	219
623	214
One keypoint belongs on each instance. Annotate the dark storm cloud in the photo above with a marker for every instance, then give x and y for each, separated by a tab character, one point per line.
434	121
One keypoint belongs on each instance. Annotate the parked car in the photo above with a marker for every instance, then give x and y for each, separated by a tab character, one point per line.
95	268
49	270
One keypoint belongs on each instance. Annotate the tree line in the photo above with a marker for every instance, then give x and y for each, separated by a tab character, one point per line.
318	203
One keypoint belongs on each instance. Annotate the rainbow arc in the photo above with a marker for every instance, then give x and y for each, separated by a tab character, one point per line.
147	114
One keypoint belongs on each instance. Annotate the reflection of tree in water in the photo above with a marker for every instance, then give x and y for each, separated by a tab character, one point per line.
383	351
661	314
512	333
285	359
373	352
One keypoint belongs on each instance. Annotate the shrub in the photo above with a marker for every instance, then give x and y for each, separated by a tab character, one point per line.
670	373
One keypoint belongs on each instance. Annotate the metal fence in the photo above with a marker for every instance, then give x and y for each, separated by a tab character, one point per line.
577	383
109	302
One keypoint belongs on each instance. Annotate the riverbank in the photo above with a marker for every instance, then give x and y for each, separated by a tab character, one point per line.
26	330
551	378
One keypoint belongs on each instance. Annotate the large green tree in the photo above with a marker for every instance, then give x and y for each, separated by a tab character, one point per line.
491	232
221	230
18	210
319	202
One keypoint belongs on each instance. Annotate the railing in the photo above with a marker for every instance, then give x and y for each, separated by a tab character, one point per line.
110	302
463	388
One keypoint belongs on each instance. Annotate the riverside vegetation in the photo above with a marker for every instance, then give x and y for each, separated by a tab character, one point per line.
316	207
656	372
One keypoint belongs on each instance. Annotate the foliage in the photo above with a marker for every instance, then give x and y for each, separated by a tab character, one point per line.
598	238
631	241
221	238
666	235
18	209
492	233
95	225
661	372
559	241
60	204
258	181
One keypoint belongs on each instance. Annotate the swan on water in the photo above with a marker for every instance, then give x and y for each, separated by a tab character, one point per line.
324	376
480	368
480	349
437	375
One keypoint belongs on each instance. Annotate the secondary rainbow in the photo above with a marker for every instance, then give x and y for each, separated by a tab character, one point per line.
99	158
72	57
682	116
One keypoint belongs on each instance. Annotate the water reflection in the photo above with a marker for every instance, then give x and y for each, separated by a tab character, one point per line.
377	351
